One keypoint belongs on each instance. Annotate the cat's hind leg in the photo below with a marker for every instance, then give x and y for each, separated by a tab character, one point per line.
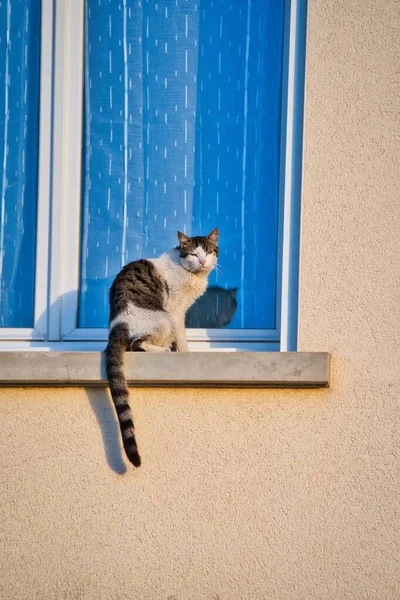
149	331
148	347
143	345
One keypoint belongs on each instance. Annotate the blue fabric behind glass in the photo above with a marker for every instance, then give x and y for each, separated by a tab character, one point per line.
182	131
19	131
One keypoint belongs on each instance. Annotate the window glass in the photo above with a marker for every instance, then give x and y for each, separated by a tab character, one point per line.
182	131
19	131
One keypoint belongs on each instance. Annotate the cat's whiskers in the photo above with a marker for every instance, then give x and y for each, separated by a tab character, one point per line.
218	269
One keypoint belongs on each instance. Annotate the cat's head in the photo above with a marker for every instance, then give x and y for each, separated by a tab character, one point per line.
199	253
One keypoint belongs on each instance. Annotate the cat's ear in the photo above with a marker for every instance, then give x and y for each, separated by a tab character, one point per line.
213	236
183	239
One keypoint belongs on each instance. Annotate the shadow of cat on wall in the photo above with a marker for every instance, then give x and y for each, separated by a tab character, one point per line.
104	412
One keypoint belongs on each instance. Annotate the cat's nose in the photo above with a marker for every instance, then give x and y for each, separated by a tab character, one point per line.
202	261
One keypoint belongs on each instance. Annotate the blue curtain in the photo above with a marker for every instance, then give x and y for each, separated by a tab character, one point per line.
182	131
19	130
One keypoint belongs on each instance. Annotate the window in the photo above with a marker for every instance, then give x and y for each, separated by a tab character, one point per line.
159	116
19	127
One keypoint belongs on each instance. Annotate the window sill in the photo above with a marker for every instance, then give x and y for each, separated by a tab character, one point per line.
194	369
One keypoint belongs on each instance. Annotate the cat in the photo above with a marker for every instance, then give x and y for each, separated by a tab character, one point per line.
149	299
216	308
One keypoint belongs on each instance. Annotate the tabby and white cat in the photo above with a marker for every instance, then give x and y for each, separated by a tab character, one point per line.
148	303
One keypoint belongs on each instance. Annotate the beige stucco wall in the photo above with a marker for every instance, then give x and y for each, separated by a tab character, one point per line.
276	495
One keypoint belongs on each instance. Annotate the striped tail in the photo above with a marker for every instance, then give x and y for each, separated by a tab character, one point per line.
117	345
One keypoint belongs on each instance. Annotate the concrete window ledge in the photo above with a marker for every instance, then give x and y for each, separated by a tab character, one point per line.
194	369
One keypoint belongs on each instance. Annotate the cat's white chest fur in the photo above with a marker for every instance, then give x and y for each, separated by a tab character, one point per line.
184	287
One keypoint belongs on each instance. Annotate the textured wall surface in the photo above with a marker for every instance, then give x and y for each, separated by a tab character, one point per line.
247	494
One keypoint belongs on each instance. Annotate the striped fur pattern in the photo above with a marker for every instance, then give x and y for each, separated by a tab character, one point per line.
148	304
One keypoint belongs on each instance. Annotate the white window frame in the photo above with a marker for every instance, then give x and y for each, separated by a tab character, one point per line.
59	195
